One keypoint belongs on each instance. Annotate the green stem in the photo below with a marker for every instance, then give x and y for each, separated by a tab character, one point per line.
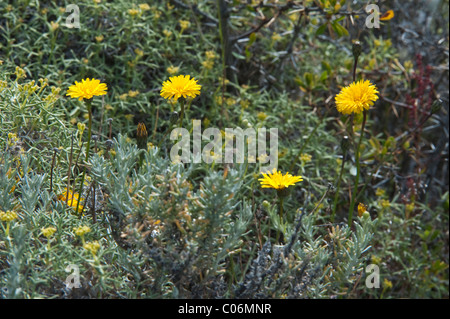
89	106
281	217
181	113
338	187
358	171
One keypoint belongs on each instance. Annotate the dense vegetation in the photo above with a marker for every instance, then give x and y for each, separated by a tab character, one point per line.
147	226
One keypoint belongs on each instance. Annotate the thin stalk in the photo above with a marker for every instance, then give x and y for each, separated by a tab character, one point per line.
181	113
51	171
89	106
358	171
338	187
281	217
68	171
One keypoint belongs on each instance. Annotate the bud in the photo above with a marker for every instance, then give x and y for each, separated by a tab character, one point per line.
356	49
436	106
141	136
174	117
345	144
366	215
109	143
266	204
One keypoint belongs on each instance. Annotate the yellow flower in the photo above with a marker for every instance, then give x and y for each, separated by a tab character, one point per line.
133	12
276	37
48	232
387	16
54	25
305	158
356	97
278	181
87	89
93	247
8	216
20	73
133	93
409	207
167	33
144	7
180	86
99	38
361	209
139	52
380	192
184	24
157	15
387	284
81	230
385	203
375	260
210	55
173	69
208	64
81	127
261	116
72	199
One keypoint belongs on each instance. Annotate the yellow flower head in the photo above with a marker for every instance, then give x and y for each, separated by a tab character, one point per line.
8	216
278	181
48	232
211	55
81	230
361	209
93	247
133	12
387	16
144	7
305	158
184	24
173	69
180	86
54	25
72	199
87	89
132	93
167	33
356	97
387	283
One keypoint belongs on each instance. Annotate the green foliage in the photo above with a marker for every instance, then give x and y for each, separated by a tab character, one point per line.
173	230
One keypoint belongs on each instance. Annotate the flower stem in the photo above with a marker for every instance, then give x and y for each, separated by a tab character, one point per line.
338	187
281	217
181	113
89	107
358	170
